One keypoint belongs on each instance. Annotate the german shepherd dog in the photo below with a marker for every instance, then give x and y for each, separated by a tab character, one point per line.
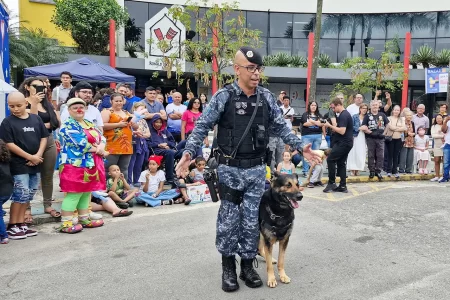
276	221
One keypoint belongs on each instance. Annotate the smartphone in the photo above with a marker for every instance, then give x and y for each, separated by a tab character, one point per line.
40	89
129	119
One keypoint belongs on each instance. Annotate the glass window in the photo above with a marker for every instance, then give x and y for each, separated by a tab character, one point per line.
277	45
442	44
303	25
349	49
281	25
137	11
300	47
258	20
154	8
424	25
416	43
196	15
374	27
398	25
351	27
443	29
234	15
330	26
262	48
378	48
329	47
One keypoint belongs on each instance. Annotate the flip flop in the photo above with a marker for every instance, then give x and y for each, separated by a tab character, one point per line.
179	201
122	213
53	213
187	201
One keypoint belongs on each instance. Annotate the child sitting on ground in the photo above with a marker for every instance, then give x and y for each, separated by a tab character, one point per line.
316	170
421	143
118	188
197	172
101	201
7	184
152	184
286	166
185	181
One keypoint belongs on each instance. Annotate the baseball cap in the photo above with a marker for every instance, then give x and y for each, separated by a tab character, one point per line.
73	101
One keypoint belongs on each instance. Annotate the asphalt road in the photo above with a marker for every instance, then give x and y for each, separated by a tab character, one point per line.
380	241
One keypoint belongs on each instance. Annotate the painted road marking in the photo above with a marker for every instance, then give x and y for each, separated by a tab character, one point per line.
334	197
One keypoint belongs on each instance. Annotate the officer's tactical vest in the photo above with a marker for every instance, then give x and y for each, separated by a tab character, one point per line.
235	118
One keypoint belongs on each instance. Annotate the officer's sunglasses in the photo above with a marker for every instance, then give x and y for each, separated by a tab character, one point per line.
253	68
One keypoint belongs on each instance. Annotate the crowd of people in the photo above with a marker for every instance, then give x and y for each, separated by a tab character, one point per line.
112	150
386	139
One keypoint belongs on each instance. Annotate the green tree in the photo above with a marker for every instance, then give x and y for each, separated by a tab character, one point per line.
224	20
33	47
370	74
88	22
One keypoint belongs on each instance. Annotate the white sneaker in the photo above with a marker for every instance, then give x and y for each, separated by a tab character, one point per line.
440	178
95	216
435	179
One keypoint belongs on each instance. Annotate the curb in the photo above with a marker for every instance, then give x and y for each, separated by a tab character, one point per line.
46	218
366	179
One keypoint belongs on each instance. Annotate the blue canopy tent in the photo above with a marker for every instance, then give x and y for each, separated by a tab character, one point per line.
81	69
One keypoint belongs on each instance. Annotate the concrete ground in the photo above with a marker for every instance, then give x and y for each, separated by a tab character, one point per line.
380	241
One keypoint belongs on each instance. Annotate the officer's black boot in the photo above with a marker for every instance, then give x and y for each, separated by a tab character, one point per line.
249	275
229	277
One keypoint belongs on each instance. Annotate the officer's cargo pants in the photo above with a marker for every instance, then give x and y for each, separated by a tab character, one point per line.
237	229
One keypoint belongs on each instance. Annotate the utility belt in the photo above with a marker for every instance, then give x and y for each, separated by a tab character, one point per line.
243	163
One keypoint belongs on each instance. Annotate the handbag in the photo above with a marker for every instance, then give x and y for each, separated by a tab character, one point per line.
323	144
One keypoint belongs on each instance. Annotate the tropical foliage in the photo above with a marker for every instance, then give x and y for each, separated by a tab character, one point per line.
33	47
226	22
88	22
370	74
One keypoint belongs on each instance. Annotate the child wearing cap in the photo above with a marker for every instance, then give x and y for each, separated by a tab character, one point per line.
152	183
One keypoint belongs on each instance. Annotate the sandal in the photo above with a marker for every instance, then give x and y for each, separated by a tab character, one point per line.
28	219
187	201
88	223
52	212
179	201
122	213
69	227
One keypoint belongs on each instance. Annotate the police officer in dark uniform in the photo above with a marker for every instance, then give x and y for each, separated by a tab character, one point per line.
241	156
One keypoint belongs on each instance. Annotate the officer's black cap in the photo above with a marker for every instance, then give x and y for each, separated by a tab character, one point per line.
252	55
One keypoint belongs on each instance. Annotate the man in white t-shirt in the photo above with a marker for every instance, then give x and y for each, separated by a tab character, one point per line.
288	112
353	109
446	149
174	112
84	91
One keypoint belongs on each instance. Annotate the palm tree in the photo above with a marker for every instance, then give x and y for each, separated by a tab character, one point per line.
33	47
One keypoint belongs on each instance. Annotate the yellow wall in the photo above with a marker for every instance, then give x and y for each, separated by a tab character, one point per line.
38	15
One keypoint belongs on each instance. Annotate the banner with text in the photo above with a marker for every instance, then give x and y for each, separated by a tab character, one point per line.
436	80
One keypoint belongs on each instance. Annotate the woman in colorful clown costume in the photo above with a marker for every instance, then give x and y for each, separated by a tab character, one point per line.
82	169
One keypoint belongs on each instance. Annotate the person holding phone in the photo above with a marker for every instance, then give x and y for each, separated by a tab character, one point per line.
117	126
35	91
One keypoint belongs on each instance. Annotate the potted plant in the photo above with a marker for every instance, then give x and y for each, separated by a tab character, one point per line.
324	60
298	61
425	55
442	58
132	47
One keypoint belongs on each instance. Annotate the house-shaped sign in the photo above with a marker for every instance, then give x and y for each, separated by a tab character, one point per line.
162	28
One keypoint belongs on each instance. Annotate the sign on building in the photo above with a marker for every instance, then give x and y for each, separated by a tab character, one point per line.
164	38
436	80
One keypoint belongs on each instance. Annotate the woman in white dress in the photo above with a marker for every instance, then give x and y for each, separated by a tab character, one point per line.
356	160
437	135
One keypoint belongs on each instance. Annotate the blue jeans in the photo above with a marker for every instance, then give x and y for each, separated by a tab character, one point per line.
328	139
315	140
136	163
25	187
446	149
3	233
153	202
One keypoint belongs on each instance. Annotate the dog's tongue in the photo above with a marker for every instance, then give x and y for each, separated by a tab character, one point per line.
294	203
